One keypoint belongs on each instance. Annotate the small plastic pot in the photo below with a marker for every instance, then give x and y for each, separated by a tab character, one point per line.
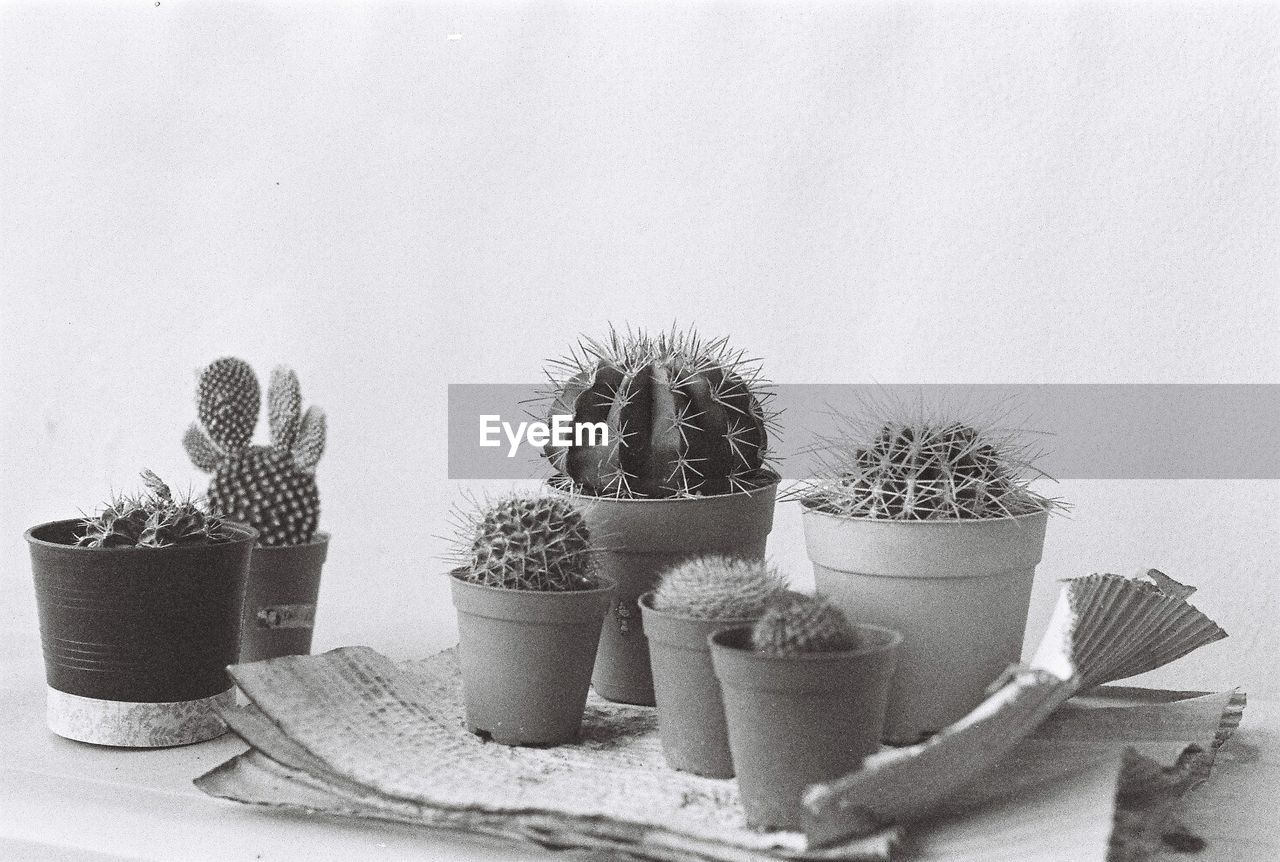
690	709
137	640
280	599
797	721
637	540
526	659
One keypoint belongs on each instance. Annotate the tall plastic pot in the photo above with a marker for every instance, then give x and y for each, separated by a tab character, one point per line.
958	590
280	599
637	540
137	640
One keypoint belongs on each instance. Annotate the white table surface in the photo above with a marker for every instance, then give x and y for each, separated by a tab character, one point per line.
63	800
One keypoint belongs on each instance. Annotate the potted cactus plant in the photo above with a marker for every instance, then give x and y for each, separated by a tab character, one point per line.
530	605
929	526
693	600
139	610
682	471
804	695
271	488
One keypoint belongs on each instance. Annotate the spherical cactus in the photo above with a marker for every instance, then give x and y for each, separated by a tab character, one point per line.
794	624
921	468
682	417
154	520
525	543
718	588
272	488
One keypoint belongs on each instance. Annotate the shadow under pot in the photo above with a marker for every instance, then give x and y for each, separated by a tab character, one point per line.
800	720
691	721
137	640
280	599
636	540
526	658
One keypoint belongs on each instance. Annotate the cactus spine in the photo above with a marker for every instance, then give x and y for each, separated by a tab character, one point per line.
715	587
153	520
272	488
525	543
795	624
684	417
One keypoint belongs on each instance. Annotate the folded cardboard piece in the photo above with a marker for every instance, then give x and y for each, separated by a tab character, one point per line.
352	733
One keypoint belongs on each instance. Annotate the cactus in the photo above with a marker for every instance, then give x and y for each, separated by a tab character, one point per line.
922	468
272	488
685	417
718	588
794	624
525	543
153	520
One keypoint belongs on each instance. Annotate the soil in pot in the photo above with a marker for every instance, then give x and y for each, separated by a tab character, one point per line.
526	658
691	722
137	640
958	590
280	599
799	720
637	540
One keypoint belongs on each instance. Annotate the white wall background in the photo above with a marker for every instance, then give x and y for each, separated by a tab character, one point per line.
855	192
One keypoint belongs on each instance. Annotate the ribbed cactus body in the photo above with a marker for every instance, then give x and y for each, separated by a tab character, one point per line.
526	543
795	624
272	488
718	588
684	417
154	520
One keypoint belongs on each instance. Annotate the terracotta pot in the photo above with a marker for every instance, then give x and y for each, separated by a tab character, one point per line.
797	721
958	591
137	640
526	659
690	709
280	599
639	539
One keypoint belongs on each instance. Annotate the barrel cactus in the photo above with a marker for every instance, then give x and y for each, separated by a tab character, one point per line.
518	542
683	417
895	466
795	624
716	587
155	519
272	488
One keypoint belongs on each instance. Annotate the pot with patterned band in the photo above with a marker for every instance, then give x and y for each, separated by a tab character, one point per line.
280	599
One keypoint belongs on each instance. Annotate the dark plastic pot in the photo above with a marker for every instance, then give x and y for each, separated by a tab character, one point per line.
280	599
797	721
137	640
690	709
526	659
638	540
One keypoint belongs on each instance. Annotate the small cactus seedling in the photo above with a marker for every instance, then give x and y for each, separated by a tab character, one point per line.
718	588
684	417
152	520
924	467
272	488
525	543
795	624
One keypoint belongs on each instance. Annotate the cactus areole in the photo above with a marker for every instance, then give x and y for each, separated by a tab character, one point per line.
685	417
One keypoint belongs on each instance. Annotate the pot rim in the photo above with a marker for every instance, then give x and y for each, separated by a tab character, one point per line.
604	583
808	509
771	485
714	640
244	532
645	602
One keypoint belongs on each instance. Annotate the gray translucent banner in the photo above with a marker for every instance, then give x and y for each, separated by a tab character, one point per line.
1091	431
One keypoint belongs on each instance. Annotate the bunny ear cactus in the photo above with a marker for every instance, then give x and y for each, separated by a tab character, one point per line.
684	417
272	488
795	624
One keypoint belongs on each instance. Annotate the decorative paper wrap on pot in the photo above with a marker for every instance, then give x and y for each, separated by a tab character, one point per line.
280	599
526	658
690	709
137	640
958	590
799	720
636	540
